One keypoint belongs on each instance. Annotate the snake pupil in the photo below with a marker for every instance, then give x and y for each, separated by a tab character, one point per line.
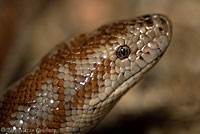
123	51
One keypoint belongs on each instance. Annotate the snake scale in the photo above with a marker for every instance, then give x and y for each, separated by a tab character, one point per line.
77	83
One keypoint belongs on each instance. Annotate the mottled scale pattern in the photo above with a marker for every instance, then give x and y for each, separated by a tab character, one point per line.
77	83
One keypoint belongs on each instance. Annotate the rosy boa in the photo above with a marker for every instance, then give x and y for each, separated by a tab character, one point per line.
77	83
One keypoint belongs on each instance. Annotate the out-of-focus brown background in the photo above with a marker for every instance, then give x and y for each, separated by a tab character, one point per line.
166	101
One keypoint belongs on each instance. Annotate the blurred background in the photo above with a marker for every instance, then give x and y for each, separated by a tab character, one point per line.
166	101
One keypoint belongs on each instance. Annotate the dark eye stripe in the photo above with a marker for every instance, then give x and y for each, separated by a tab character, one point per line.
123	52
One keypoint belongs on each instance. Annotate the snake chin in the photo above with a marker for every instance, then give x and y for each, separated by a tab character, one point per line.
130	82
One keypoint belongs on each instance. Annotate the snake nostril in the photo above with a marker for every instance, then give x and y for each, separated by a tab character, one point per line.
149	22
160	29
165	22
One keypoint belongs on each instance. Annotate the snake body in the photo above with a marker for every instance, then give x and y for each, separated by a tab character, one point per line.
77	83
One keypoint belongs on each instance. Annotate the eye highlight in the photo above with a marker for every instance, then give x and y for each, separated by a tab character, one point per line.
123	52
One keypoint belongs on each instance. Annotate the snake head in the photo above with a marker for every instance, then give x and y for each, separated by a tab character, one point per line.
130	48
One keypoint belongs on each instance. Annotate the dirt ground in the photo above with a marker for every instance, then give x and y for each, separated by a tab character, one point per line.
166	101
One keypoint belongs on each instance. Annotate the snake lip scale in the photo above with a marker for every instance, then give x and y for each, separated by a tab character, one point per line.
77	83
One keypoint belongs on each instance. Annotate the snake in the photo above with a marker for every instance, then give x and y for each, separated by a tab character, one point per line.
76	84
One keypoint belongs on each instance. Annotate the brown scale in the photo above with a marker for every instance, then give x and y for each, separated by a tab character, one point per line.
88	94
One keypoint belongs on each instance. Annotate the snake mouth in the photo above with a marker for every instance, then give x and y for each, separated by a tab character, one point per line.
132	80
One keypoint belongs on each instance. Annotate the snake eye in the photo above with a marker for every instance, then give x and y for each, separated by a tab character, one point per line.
123	52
